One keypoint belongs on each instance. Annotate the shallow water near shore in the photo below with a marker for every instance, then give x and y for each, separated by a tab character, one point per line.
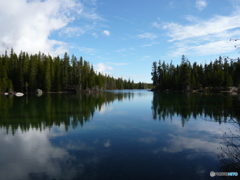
121	134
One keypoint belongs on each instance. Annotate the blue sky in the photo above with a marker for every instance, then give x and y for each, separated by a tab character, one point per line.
122	37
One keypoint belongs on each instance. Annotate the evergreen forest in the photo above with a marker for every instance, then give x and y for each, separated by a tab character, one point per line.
27	72
217	75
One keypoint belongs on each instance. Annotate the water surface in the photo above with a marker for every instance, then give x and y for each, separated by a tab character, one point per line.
129	134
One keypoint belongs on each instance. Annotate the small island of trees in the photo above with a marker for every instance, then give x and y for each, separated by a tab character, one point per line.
25	73
215	76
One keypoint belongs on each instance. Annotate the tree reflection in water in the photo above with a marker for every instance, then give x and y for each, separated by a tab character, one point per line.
218	108
229	157
194	106
44	112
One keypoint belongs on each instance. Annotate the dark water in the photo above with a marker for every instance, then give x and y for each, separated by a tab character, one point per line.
118	135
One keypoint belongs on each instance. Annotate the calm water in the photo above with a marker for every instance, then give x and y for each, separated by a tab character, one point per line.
116	135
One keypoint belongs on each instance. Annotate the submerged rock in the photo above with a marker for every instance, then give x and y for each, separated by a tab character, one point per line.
38	92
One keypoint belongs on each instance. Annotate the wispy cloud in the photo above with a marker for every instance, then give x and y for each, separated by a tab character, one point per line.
209	48
121	50
125	49
121	18
106	32
147	36
87	50
94	2
148	140
107	143
201	4
180	143
93	16
118	64
95	35
146	58
151	44
74	31
133	76
193	38
213	26
157	25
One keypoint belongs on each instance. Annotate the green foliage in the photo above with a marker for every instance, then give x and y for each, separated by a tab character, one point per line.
185	72
217	74
154	74
29	72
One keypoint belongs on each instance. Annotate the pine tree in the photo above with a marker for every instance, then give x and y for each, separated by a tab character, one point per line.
32	72
47	74
154	74
57	85
185	73
65	68
3	77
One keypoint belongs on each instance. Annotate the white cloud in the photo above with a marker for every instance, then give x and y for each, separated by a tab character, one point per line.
180	143
35	150
118	64
151	44
201	4
102	68
193	38
209	48
147	36
121	50
157	25
104	108
106	32
217	47
95	35
29	24
121	18
77	31
107	143
148	140
73	31
215	25
94	2
145	58
124	49
86	50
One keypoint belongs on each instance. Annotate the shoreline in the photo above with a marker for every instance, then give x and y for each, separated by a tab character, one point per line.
61	92
65	92
232	90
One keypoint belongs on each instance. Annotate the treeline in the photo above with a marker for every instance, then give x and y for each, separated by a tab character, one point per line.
26	73
220	74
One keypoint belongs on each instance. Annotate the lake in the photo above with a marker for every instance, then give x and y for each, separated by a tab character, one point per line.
125	134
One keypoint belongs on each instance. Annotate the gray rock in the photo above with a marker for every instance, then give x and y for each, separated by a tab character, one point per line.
19	94
38	92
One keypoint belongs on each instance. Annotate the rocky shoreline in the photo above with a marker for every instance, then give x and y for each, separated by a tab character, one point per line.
39	92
